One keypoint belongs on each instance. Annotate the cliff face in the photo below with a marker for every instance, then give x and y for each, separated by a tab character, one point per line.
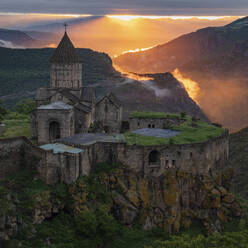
171	202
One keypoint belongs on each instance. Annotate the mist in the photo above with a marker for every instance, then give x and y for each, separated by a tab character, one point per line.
226	102
8	44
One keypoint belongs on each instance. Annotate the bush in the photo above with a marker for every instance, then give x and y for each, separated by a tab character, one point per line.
3	111
97	225
25	106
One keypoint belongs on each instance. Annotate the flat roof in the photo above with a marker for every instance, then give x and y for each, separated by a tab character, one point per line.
61	148
155	132
92	138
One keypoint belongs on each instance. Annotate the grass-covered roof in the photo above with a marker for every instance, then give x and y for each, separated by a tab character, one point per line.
190	132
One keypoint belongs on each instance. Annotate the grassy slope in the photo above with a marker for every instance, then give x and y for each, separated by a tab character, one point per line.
16	125
239	161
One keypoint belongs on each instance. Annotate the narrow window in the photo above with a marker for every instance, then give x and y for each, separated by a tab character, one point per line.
154	158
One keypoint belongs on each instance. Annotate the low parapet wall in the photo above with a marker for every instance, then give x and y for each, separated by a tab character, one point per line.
16	154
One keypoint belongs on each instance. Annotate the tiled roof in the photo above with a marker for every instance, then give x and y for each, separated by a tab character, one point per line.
88	94
65	53
83	107
69	95
112	98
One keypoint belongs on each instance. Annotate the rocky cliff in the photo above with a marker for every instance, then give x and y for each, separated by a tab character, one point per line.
173	202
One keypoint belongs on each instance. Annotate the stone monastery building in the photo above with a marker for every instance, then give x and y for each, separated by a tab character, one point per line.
68	108
75	132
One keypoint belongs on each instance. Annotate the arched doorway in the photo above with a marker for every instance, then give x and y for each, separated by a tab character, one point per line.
154	158
54	130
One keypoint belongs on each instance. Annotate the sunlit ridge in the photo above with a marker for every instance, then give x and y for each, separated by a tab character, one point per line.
132	17
190	85
46	14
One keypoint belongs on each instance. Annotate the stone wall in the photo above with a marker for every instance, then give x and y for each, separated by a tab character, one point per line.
65	119
16	154
66	75
139	123
63	167
19	153
109	115
197	158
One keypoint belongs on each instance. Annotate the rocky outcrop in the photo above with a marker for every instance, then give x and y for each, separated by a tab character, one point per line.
21	209
172	202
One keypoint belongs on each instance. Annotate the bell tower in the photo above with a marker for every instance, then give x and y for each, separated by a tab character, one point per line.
66	65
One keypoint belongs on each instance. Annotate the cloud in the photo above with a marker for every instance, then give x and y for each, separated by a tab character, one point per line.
148	7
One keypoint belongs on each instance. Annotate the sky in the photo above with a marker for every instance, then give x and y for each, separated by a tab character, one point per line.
138	7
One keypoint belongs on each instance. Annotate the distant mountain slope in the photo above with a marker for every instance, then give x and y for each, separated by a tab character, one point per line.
200	45
16	38
216	58
162	93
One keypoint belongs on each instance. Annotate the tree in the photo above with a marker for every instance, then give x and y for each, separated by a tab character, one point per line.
25	106
3	111
97	225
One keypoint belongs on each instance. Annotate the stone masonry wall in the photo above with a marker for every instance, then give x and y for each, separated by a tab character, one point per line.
66	75
198	158
65	118
139	123
16	154
63	167
109	115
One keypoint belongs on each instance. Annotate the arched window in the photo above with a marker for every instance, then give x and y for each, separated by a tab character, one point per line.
54	130
149	126
154	158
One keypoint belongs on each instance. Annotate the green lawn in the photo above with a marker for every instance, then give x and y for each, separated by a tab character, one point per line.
16	125
157	115
191	132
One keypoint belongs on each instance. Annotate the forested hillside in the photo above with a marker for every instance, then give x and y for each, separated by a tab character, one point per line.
28	69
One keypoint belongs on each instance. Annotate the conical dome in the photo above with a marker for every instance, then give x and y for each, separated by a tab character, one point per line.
65	53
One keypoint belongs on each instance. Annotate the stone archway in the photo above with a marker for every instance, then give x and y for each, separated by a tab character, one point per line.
154	158
54	131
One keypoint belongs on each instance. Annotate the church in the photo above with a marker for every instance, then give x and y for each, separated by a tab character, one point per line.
67	107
